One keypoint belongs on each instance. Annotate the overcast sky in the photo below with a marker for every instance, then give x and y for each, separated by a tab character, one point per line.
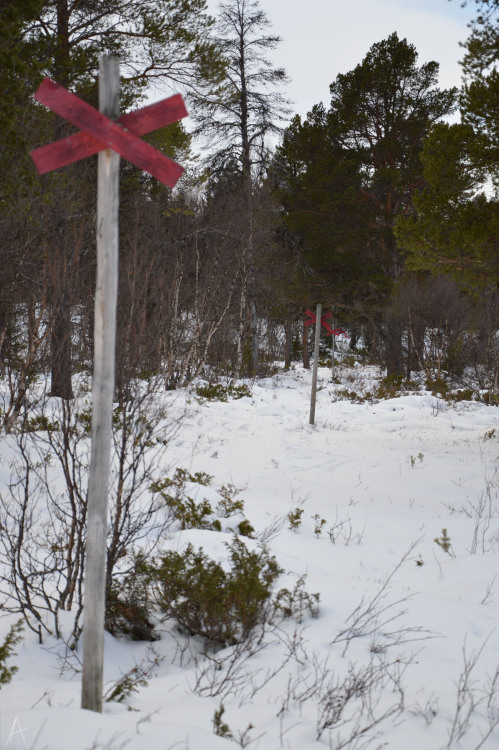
321	38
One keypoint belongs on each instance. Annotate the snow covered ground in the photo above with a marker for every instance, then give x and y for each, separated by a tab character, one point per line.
404	651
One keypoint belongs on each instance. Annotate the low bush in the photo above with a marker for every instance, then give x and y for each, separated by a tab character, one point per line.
349	360
343	394
41	423
393	386
438	386
296	603
220	392
135	678
465	394
490	398
12	638
294	518
128	604
444	542
190	513
204	599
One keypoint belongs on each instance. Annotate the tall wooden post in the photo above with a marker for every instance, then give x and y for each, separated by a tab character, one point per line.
316	362
103	387
101	134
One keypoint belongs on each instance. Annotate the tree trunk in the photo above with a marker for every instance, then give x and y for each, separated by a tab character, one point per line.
253	319
254	335
287	350
61	340
240	337
415	345
354	338
306	358
393	346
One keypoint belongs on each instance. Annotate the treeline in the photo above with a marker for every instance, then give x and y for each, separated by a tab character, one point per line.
376	207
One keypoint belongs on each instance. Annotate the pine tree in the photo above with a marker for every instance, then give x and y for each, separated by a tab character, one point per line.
317	184
238	120
18	75
19	121
368	169
480	96
455	227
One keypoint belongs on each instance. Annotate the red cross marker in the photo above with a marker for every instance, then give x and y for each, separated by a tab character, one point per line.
324	318
325	324
99	132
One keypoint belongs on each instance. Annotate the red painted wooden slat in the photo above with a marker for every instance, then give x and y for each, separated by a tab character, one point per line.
155	116
82	144
66	151
107	133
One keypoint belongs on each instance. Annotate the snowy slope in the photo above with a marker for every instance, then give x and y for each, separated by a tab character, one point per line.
397	611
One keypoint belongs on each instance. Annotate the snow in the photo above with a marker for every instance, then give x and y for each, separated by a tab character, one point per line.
387	477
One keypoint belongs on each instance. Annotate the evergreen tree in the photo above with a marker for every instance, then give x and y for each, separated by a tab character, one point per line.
20	225
17	76
371	138
317	184
455	227
480	96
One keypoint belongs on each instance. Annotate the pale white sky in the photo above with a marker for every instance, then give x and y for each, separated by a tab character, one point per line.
321	38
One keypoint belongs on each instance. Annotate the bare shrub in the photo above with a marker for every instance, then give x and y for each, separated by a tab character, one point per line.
436	318
355	704
43	512
483	511
473	699
377	618
342	531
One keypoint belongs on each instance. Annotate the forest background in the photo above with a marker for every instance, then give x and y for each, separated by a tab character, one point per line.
382	206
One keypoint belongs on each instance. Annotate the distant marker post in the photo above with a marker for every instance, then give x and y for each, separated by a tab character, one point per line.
316	363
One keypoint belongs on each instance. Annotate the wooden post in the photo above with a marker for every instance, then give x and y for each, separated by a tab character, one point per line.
98	131
316	362
103	388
